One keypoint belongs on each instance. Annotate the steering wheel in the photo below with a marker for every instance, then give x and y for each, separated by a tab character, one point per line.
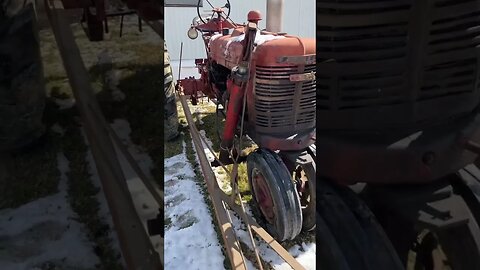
227	6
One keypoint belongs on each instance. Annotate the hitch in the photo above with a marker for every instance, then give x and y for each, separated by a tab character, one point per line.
226	159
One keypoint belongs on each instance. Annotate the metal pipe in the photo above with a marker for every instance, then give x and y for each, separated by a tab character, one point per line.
274	15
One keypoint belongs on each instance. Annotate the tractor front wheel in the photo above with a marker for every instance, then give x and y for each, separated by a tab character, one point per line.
276	201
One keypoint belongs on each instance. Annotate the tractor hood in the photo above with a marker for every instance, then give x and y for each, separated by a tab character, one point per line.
227	50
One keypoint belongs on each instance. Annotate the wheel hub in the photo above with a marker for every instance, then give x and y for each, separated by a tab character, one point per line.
263	196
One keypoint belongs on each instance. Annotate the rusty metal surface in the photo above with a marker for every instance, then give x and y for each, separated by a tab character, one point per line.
417	158
402	67
397	64
134	242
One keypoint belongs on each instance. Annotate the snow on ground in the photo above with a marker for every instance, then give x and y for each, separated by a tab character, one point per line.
112	76
44	233
64	103
145	204
304	253
223	178
103	211
190	239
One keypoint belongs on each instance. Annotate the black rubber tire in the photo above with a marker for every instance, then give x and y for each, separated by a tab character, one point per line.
171	114
288	214
359	236
328	253
22	86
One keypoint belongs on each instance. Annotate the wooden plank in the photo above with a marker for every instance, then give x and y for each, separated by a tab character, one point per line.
283	253
232	245
136	247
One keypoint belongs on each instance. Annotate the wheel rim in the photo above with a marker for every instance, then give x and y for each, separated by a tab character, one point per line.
263	195
303	187
424	249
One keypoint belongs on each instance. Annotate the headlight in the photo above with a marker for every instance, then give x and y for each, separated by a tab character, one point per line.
192	33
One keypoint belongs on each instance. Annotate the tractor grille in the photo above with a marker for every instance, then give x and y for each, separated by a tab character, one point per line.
396	63
282	105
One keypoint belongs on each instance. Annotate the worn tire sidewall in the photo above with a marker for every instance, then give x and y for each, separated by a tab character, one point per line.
288	214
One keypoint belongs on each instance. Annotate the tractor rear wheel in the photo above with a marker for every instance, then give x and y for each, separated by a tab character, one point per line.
432	226
305	177
275	199
451	248
171	114
358	236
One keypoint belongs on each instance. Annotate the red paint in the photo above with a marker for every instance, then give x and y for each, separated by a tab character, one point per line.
233	113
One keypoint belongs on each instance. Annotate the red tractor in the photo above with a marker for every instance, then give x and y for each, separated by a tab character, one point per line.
264	84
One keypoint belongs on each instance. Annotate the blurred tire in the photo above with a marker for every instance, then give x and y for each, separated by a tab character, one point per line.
171	115
22	87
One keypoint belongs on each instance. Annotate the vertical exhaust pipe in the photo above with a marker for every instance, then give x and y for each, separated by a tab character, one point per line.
274	15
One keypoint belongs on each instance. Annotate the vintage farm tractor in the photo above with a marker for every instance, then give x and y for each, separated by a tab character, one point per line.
264	85
398	94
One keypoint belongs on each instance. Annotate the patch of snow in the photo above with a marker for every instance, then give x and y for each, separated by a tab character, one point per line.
58	129
112	76
145	204
222	177
104	211
104	57
304	253
214	37
64	103
259	40
45	232
190	239
250	265
196	114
